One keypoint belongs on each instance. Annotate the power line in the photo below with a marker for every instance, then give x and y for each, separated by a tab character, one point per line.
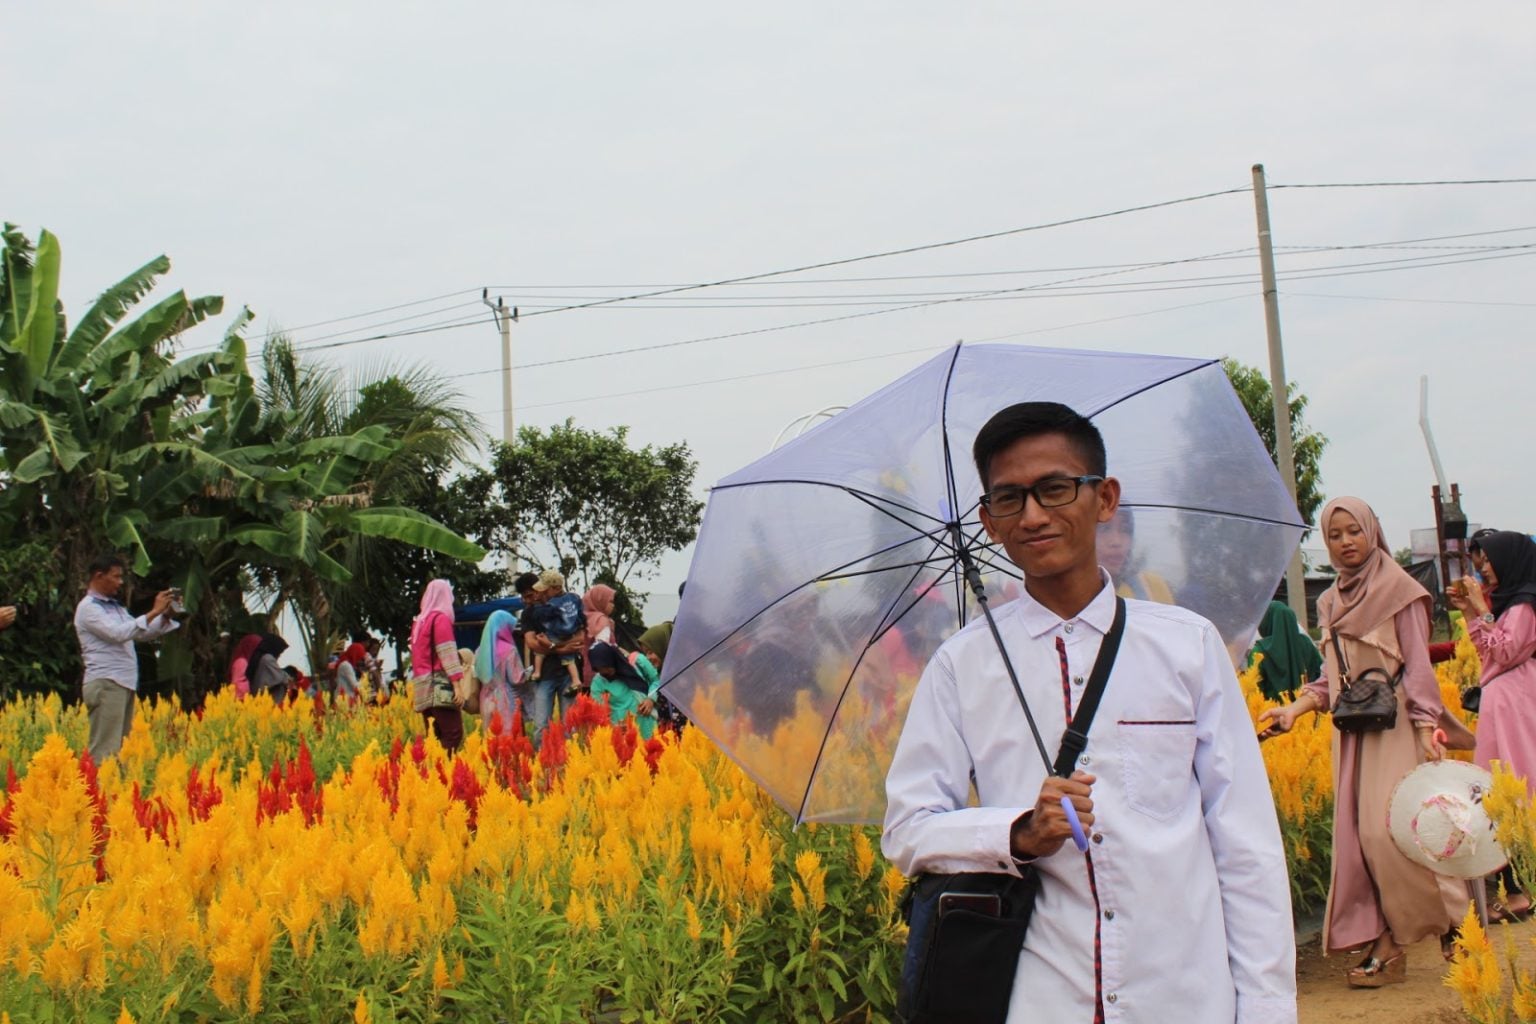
1409	184
1402	298
359	316
901	252
813	301
863	359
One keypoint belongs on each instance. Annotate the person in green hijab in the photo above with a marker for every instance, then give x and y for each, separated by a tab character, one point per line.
1290	658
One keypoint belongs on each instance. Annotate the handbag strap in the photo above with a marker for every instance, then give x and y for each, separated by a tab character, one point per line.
1075	739
1338	651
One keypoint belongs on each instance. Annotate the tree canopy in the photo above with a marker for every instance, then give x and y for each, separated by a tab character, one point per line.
588	503
1254	391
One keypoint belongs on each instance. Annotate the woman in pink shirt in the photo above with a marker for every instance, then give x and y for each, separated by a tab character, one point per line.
435	666
1503	630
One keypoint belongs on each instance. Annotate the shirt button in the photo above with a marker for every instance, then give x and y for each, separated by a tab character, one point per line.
1109	915
1003	865
1083	760
1077	680
1067	627
1112	998
1098	837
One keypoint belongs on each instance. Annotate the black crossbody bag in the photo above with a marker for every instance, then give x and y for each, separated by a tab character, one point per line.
961	952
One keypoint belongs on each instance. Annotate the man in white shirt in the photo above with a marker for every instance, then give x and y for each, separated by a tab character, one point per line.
1180	910
107	634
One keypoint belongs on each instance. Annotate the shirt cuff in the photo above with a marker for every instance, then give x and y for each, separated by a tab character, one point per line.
1266	1009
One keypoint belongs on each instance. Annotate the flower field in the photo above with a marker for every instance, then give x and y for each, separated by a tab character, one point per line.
299	863
309	863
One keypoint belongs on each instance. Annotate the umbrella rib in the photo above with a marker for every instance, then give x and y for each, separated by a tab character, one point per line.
949	461
865	498
930	560
872	498
1148	387
1218	512
810	780
780	599
882	626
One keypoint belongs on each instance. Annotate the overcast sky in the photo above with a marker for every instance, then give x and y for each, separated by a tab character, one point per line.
315	161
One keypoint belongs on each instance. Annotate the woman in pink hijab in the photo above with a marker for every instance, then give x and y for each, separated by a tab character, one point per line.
1378	900
436	668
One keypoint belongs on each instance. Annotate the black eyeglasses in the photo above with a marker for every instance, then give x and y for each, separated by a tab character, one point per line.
1052	492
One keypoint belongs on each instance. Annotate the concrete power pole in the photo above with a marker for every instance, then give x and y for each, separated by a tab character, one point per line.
1295	582
504	318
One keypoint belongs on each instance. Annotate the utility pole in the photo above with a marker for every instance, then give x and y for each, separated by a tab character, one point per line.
1295	582
504	318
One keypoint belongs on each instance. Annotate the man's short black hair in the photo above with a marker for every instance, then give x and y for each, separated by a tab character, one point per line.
1031	419
525	582
105	563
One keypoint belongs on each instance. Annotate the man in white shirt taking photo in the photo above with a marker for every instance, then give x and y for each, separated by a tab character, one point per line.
107	634
1180	909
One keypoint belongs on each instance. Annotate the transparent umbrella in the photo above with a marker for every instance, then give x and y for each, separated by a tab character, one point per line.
827	572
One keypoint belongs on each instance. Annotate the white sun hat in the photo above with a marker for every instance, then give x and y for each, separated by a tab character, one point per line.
1436	818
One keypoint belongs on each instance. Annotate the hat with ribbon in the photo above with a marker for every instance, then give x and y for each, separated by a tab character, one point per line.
1436	818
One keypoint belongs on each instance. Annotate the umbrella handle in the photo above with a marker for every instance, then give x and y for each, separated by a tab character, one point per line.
1079	837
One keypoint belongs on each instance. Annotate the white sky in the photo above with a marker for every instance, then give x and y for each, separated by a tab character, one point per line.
317	160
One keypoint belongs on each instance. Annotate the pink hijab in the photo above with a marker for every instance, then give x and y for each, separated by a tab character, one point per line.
438	597
598	604
1374	591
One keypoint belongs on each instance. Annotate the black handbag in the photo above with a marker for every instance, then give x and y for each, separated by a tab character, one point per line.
1366	704
966	930
1471	699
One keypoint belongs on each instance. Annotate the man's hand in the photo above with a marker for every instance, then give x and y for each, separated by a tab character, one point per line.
646	706
538	643
161	607
1041	832
7	616
575	645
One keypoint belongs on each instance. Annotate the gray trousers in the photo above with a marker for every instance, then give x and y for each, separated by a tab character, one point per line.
110	707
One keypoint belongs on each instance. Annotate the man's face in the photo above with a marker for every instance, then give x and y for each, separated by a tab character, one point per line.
108	583
530	597
1048	542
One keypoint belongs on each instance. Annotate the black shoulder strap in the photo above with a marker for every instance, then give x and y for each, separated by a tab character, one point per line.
1075	739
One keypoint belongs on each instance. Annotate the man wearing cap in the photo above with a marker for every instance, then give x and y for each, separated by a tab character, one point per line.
554	635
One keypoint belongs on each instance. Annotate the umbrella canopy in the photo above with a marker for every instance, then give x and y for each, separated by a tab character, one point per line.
825	573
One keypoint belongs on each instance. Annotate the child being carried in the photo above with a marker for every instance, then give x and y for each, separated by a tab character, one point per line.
559	617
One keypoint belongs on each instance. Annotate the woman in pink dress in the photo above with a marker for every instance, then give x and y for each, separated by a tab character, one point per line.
1503	630
1378	900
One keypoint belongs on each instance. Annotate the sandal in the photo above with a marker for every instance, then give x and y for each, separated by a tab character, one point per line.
1500	912
1376	973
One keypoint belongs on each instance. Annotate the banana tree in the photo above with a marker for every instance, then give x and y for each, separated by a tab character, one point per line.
111	439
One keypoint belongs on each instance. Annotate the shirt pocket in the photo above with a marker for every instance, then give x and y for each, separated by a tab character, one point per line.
1155	764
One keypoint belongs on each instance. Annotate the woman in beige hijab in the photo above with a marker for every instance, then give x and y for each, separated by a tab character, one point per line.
1379	900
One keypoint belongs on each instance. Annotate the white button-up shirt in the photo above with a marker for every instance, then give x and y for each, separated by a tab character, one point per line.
1181	908
107	633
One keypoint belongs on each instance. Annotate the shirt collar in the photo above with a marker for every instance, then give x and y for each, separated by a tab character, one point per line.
103	598
1100	614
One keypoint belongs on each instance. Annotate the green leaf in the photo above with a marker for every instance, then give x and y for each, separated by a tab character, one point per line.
123	531
190	529
40	321
34	467
15	414
408	526
107	311
267	538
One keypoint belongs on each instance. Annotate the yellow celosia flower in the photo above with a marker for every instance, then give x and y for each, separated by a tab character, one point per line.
863	854
814	877
695	926
360	1014
1474	972
439	972
124	1017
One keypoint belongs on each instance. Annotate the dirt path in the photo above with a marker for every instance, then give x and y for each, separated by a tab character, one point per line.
1324	997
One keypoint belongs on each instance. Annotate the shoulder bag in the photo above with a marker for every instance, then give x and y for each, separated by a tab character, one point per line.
966	930
1367	703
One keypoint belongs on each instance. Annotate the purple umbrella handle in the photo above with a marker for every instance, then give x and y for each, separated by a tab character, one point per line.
1079	837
